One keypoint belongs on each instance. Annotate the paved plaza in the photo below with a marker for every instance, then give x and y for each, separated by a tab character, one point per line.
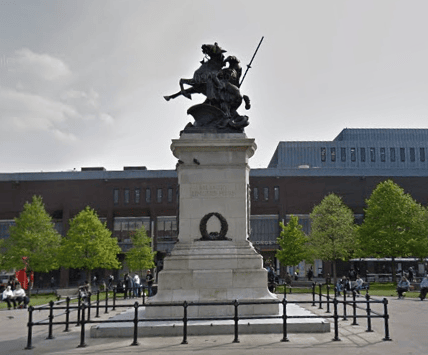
408	326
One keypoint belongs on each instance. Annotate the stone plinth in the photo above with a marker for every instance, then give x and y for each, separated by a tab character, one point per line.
213	176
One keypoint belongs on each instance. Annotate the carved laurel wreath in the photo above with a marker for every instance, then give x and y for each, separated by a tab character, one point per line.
213	235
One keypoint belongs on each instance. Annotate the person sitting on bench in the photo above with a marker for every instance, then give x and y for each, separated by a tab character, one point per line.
424	288
403	286
8	297
342	285
358	284
21	297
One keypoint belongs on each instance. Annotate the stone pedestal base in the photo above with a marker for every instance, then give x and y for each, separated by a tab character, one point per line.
212	271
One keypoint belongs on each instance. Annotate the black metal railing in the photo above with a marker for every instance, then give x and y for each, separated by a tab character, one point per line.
83	309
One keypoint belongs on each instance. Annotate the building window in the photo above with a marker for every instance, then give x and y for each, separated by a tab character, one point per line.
276	193
353	154
148	195
392	153
333	154
4	228
363	154
422	153
266	193
412	154
137	196
382	154
161	225
343	154
372	154
402	154
256	194
323	154
116	196
169	194
126	196
159	195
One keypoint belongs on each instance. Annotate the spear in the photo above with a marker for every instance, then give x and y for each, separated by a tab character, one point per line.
249	65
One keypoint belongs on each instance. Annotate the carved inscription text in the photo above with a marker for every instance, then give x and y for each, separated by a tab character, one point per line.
211	191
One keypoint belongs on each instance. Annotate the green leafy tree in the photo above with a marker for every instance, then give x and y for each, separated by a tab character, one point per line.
33	240
292	242
140	256
394	225
333	233
89	244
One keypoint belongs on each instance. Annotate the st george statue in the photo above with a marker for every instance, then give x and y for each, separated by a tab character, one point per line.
218	79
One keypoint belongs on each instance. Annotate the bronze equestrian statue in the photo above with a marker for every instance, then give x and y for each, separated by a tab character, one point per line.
218	79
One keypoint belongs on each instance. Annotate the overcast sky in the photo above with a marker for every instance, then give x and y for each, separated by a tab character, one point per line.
82	82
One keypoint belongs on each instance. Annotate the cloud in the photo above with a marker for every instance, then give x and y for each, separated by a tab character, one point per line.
88	98
27	111
63	136
106	118
43	66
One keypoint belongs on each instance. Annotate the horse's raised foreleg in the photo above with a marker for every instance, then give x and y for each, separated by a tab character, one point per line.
187	93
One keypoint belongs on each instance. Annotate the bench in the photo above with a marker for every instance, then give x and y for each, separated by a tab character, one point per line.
298	284
66	292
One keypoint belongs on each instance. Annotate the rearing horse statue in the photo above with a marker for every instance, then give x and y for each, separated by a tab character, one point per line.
220	85
204	75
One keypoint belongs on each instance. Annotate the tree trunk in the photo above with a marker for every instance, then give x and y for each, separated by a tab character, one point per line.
334	273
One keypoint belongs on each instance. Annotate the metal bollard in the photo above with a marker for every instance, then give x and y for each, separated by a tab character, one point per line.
97	315
328	298
135	342
386	318
313	294
185	305
284	319
320	289
82	329
336	321
114	298
354	308
236	319
79	303
67	314
51	317
106	309
344	306
369	319
89	306
30	328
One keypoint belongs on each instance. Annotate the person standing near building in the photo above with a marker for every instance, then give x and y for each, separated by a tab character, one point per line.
136	285
110	281
130	286
125	285
411	274
149	280
310	274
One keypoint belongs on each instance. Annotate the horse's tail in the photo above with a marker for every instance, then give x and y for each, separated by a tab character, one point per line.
247	102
